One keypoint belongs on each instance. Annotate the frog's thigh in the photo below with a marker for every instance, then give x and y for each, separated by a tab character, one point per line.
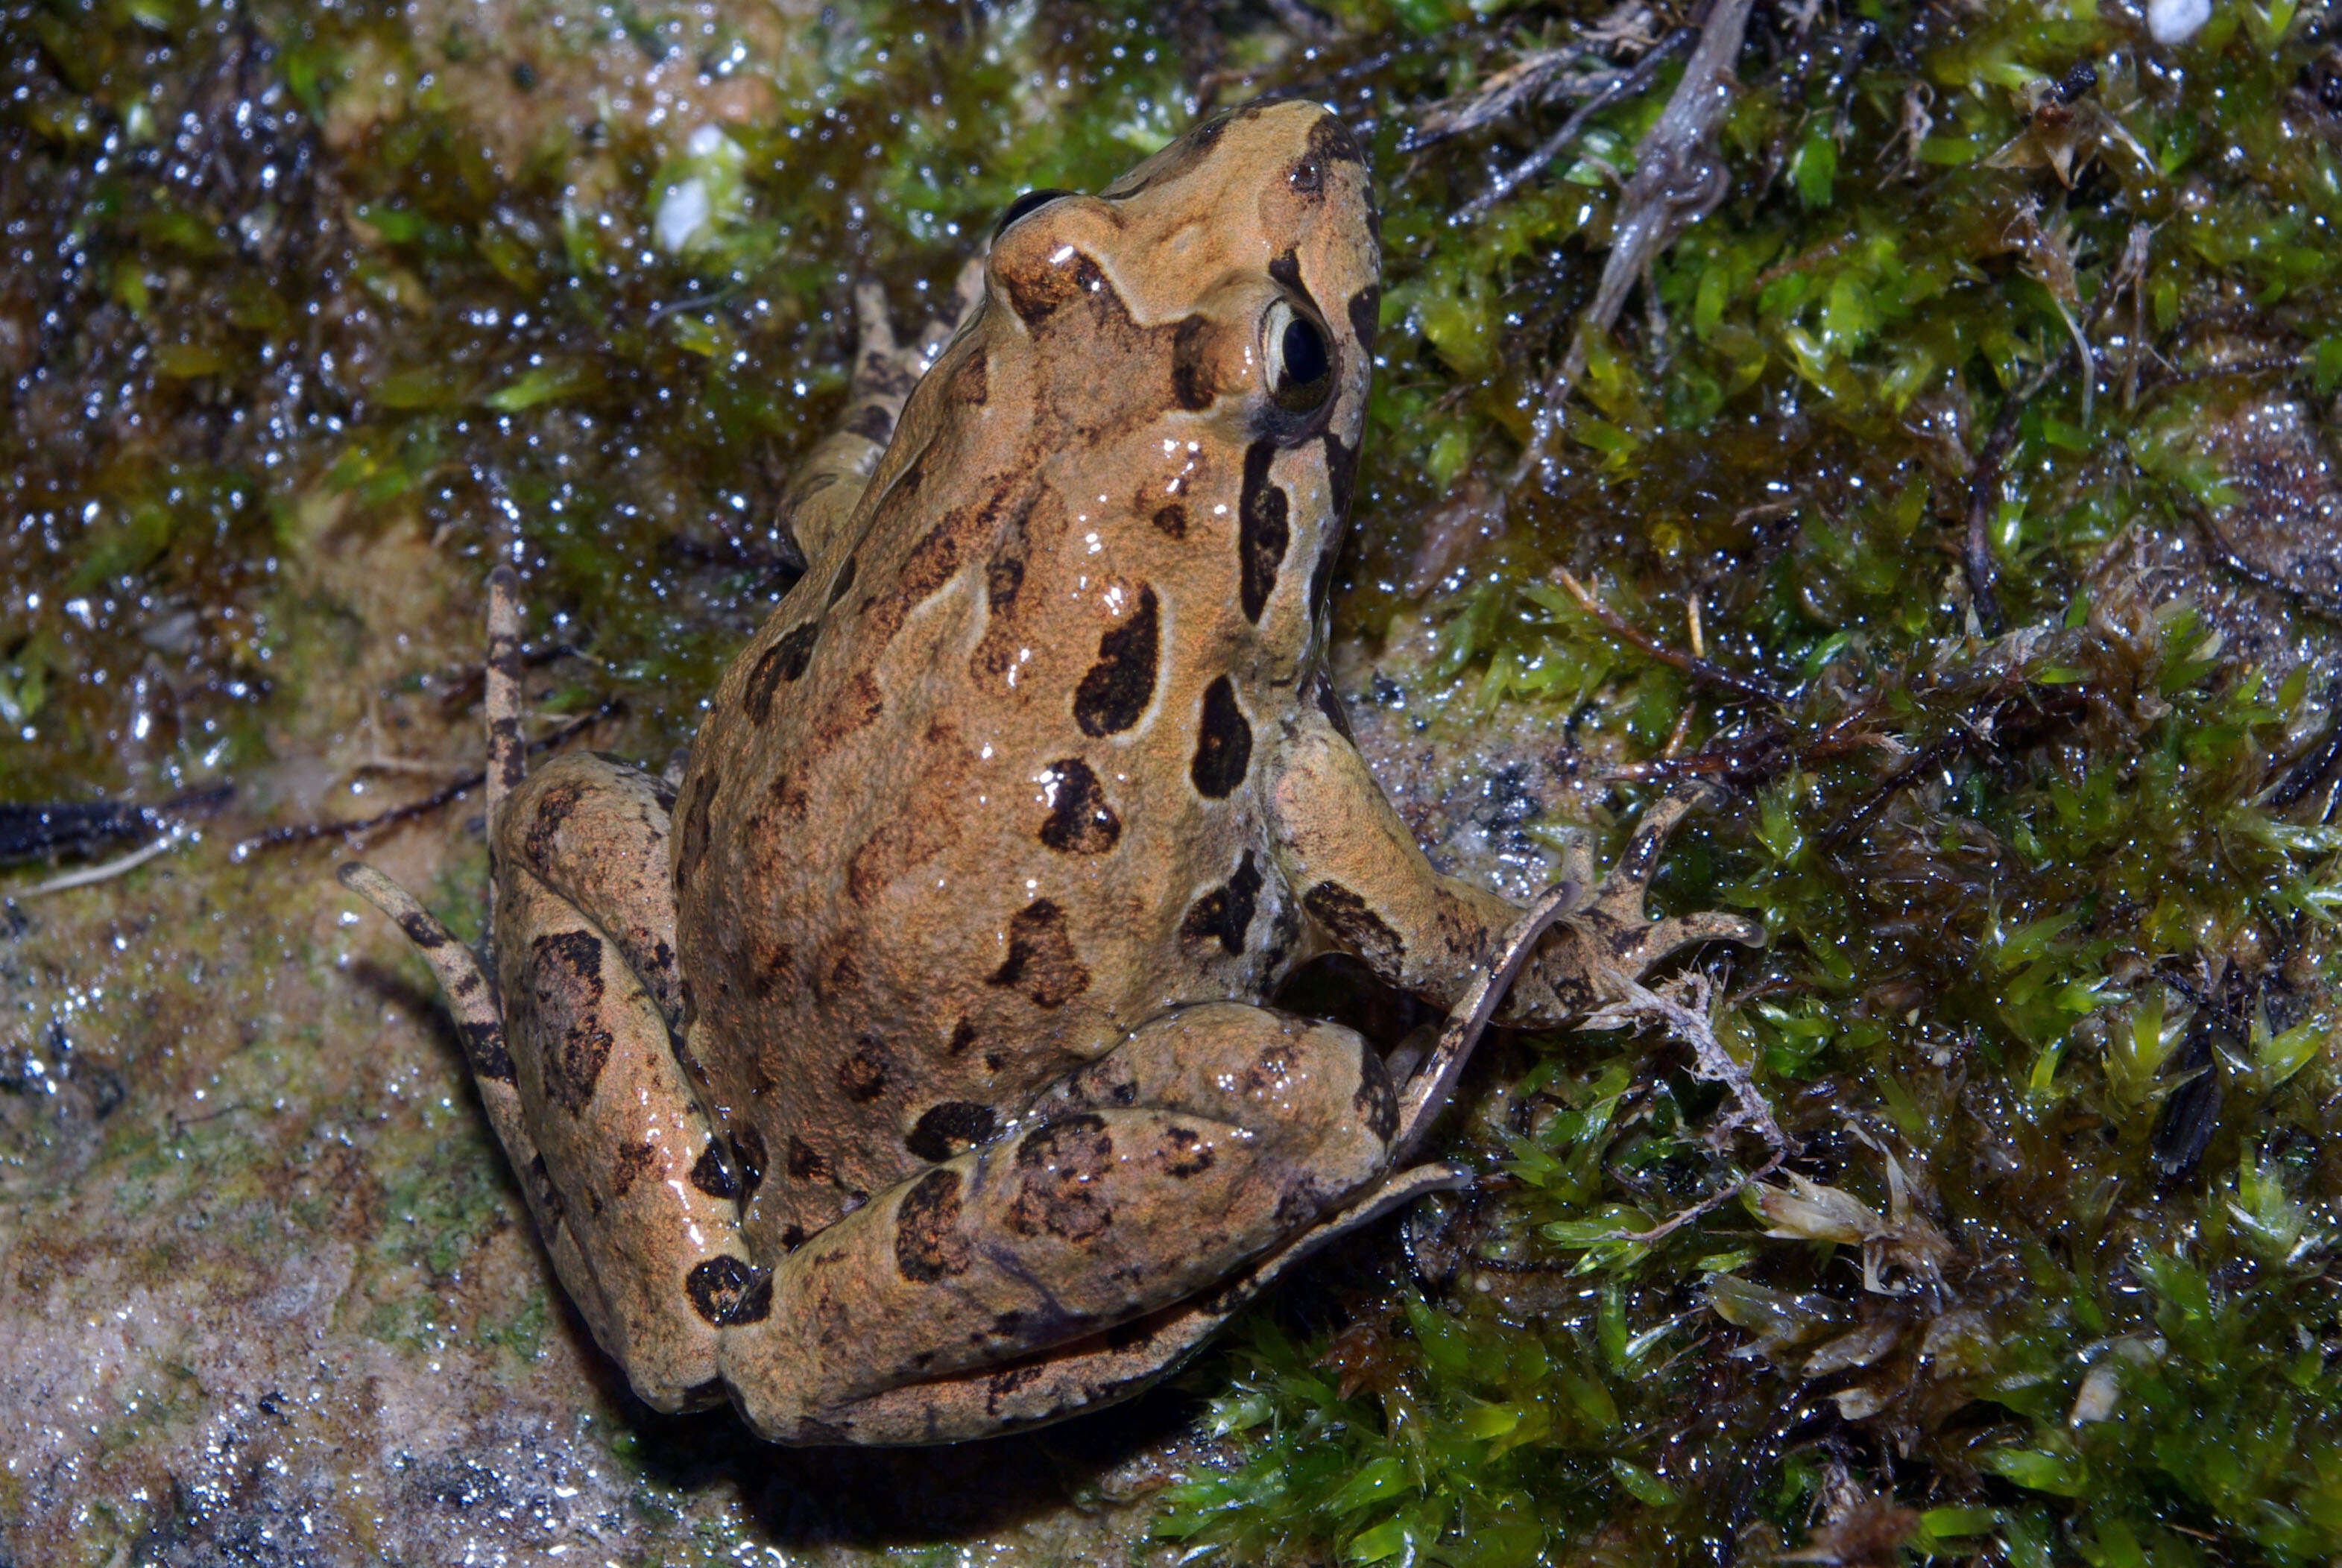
1109	1210
595	832
657	1260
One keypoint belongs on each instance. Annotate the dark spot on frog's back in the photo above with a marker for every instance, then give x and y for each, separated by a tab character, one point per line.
716	1287
1184	1152
566	985
1171	520
627	1167
928	1244
785	660
1057	1171
712	1172
1117	688
805	1163
862	1077
950	1128
1039	288
1263	530
1041	961
1347	918
1223	742
1224	913
1080	820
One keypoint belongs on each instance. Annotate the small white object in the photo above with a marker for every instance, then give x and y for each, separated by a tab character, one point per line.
682	212
2177	20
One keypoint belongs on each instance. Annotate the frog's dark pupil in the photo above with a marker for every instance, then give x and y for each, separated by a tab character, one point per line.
1026	203
1305	353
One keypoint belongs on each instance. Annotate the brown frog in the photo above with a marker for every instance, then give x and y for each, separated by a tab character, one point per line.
917	1086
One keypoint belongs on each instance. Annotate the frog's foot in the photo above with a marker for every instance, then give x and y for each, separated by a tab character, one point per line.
1214	1138
824	490
1612	932
482	1031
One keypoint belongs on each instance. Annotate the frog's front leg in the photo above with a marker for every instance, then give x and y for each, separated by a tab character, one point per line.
1365	883
1017	1282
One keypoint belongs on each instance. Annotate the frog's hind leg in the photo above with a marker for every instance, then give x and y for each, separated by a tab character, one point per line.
1120	1361
579	1068
1089	1374
586	966
1211	1138
477	1022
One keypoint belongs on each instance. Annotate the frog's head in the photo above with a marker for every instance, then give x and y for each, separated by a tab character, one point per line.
1222	296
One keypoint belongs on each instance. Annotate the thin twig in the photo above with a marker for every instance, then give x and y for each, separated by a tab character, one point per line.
1625	85
1678	178
1701	671
104	872
2292	366
1934	754
310	831
1711	1064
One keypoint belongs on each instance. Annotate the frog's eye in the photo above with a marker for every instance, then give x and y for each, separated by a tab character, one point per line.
1300	360
1029	201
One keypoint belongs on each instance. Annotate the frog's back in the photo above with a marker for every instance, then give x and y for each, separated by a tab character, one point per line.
983	794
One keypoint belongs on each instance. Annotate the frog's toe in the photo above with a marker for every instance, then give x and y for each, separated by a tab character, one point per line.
1621	893
1577	864
877	358
966	294
1661	939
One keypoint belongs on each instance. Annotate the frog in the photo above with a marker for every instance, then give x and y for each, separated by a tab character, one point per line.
903	1067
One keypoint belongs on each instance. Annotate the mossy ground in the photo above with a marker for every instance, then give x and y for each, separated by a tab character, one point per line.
310	313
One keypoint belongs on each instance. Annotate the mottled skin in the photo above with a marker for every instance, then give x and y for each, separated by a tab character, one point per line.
916	1087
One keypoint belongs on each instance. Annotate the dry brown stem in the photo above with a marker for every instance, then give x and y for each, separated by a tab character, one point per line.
1634	1004
1678	178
